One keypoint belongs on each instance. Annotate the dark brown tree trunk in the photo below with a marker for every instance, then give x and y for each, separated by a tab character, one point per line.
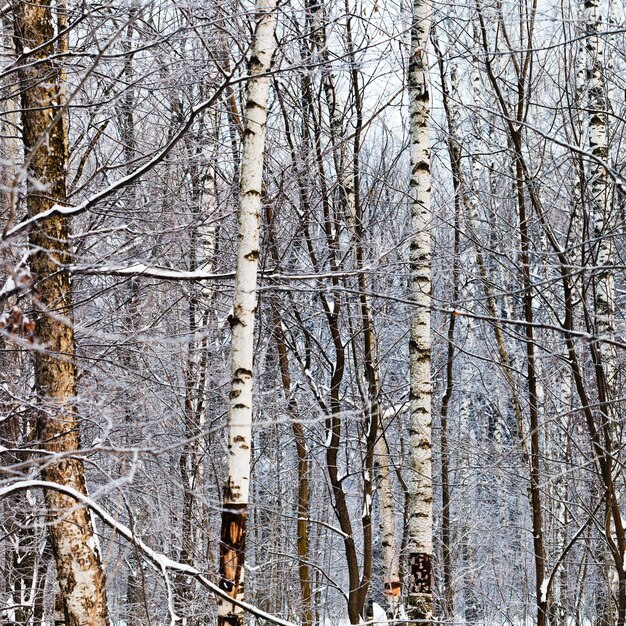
454	153
302	452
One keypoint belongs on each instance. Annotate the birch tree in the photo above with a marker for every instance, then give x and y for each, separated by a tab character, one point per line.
601	215
600	187
237	486
387	513
39	37
420	544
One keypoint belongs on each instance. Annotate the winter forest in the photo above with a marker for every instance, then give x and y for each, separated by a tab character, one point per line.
312	312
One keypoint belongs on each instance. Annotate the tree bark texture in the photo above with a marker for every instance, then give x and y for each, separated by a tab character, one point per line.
420	542
80	574
387	515
237	486
600	187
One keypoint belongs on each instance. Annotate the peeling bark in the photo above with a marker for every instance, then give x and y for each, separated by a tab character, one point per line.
74	545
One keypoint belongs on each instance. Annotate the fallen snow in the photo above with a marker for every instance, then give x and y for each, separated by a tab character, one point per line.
378	613
9	286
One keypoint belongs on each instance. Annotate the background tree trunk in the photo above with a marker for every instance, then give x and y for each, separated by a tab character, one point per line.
387	515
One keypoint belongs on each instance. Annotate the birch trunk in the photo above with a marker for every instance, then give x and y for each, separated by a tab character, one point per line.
236	488
420	542
602	223
559	609
599	181
391	573
80	574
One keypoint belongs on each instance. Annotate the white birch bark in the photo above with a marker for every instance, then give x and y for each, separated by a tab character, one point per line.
339	144
600	186
237	486
561	491
420	542
391	563
602	223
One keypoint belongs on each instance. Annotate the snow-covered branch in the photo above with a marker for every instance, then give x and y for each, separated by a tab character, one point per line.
158	560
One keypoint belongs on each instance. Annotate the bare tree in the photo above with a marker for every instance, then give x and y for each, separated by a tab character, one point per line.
38	37
420	546
237	486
